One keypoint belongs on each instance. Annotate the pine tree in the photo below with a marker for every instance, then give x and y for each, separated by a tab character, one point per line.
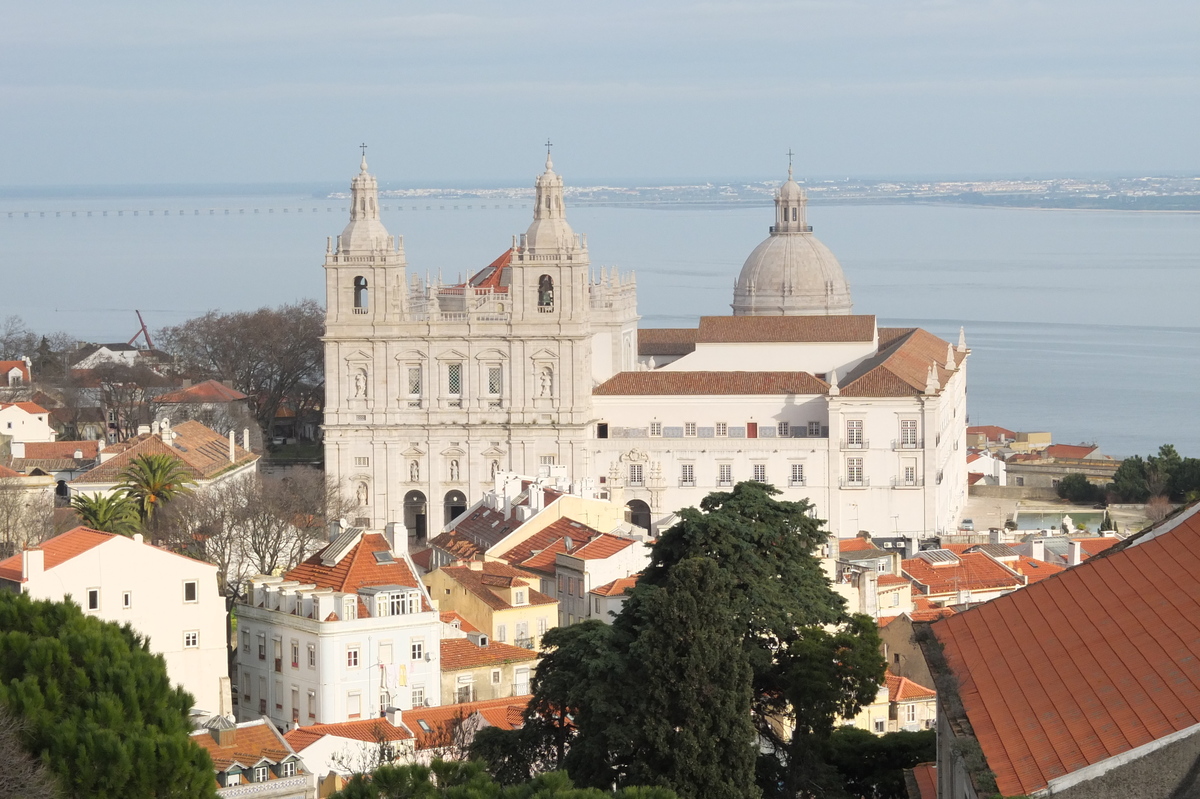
97	707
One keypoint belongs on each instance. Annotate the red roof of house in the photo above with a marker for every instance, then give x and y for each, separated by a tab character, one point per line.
505	714
619	586
210	391
1069	450
902	689
713	383
8	366
456	619
856	544
666	340
991	432
538	552
1094	546
602	546
28	407
370	730
1100	660
463	653
755	329
7	472
498	575
203	451
974	477
252	741
890	579
925	775
358	568
90	450
1034	570
974	572
493	276
58	549
900	368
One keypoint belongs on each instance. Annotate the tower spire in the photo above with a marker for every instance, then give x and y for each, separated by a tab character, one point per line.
549	163
362	167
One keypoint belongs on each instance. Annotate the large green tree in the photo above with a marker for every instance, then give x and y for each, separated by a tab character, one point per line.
96	707
112	513
873	765
152	481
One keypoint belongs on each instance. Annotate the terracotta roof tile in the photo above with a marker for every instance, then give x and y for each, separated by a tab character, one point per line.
617	587
711	383
746	329
494	276
370	730
204	452
210	391
463	653
1094	546
992	432
1034	570
8	366
925	776
548	542
6	472
974	572
602	546
89	450
252	741
902	689
472	580
890	579
1068	450
666	340
58	549
901	368
357	569
1099	660
456	619
856	544
439	719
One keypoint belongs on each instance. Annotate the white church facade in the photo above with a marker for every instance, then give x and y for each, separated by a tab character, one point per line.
536	363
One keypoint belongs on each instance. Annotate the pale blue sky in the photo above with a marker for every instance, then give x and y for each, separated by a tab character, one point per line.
117	92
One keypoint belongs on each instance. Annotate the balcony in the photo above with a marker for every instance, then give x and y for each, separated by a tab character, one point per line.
524	642
360	310
545	309
687	483
847	482
861	443
902	444
916	482
797	483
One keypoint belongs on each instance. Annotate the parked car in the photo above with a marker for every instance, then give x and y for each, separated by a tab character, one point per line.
967	525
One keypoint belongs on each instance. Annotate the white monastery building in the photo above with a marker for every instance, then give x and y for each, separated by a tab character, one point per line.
536	361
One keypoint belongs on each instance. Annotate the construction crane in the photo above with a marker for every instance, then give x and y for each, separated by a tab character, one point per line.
143	333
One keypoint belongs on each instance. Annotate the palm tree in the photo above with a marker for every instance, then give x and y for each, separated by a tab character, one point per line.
112	513
152	481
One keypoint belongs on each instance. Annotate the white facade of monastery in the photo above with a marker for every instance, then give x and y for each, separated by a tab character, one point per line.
536	361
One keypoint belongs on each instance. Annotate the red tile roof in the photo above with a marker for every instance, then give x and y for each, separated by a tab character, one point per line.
747	329
666	340
252	741
537	553
58	549
974	477
456	619
1094	546
370	730
477	582
902	689
712	383
619	586
890	579
28	407
210	391
495	275
991	432
357	569
1034	570
856	544
90	450
974	572
602	546
1101	659
900	369
925	776
506	714
1069	450
203	451
463	653
6	472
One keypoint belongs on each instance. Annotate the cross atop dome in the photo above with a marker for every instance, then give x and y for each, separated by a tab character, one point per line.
363	166
549	163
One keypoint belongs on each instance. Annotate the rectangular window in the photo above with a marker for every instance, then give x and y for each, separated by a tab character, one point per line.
352	657
349	608
312	704
751	429
655	429
546	460
191	591
687	474
518	597
783	430
93	599
797	476
689	428
127	600
910	713
635	474
908	433
414	381
418	649
354	705
523	630
361	461
246	641
262	646
191	639
454	379
295	654
287	769
854	432
724	474
494	381
721	430
495	676
541	628
418	696
502	629
814	429
880	725
295	704
910	475
260	773
312	656
854	471
760	472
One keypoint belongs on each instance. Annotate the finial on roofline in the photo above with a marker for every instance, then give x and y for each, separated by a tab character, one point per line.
363	166
549	163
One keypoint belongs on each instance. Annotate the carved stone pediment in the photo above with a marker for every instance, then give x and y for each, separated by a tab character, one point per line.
634	455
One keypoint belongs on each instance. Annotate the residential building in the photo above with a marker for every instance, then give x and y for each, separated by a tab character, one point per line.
499	600
16	373
448	731
60	461
988	436
535	363
254	759
1081	685
212	403
23	422
953	578
169	599
608	600
900	705
336	751
345	635
600	561
476	668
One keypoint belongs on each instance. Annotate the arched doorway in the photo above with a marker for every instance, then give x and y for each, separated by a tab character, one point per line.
455	504
414	515
637	513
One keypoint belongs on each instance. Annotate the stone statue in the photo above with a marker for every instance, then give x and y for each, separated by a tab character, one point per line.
495	469
546	382
454	471
414	471
362	494
360	383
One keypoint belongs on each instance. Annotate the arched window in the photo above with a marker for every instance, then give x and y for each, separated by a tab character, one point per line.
547	202
545	293
794	210
360	293
414	514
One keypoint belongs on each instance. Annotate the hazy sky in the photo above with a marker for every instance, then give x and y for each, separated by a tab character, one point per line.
121	92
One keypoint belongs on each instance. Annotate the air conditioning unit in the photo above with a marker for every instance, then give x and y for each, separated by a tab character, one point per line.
428	656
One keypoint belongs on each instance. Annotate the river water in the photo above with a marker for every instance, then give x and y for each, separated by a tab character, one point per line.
1082	323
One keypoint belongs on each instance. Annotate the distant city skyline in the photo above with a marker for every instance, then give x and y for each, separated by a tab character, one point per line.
132	93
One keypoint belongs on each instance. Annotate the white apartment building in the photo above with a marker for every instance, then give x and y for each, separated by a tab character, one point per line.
535	365
347	634
25	422
170	599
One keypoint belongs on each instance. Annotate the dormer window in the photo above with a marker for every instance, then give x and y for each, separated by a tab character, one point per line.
349	608
519	597
261	773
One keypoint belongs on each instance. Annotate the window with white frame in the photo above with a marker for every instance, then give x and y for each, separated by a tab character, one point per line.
519	597
854	471
418	696
724	474
361	460
287	768
797	475
191	639
880	725
418	649
312	656
814	429
635	474
689	429
854	432
783	430
655	429
502	629
352	657
312	704
721	430
245	641
910	474
908	433
495	676
910	713
414	386
541	626
354	704
295	654
687	474
760	472
547	460
349	608
127	600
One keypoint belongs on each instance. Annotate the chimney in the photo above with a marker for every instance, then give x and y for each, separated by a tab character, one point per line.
224	736
246	438
392	715
33	563
143	430
231	457
225	701
138	539
1037	549
1074	553
396	532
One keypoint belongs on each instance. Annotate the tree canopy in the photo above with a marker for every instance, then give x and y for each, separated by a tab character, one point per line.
1166	474
96	707
112	513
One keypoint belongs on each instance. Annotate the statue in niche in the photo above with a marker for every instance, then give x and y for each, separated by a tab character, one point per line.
360	383
454	471
414	471
495	469
546	382
363	495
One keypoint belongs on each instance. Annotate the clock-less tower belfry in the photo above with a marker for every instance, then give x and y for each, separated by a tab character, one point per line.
432	389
